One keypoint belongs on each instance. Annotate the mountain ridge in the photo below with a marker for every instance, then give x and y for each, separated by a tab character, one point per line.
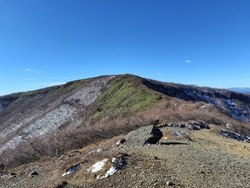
47	134
119	103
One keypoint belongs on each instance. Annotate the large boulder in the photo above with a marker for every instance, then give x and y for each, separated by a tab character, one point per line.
144	135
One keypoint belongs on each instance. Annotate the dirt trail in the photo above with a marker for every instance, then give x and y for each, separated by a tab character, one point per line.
198	159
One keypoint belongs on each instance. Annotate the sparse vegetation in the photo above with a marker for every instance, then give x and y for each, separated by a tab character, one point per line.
57	144
123	97
124	104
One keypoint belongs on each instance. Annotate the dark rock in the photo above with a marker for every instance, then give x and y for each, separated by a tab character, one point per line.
33	173
156	158
233	135
169	183
62	185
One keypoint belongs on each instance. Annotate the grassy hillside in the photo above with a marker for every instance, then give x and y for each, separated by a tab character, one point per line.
123	97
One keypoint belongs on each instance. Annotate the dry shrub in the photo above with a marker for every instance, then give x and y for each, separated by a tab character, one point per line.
108	127
45	159
57	144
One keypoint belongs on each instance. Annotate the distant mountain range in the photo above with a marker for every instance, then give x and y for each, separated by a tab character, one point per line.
240	89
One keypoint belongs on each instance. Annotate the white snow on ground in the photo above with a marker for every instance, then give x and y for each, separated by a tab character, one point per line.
98	150
97	166
227	125
72	169
117	143
113	160
205	105
110	172
179	133
100	164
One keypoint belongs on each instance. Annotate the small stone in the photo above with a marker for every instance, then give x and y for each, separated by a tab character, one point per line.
156	158
169	183
33	173
243	147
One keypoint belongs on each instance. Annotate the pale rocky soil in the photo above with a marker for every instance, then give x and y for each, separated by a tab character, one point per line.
199	159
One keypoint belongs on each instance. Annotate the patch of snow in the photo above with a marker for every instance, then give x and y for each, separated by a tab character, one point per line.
227	125
5	176
97	166
117	143
110	172
113	160
100	164
204	106
98	150
72	169
113	169
179	133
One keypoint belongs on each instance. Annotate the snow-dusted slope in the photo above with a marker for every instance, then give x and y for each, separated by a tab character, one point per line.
67	110
237	105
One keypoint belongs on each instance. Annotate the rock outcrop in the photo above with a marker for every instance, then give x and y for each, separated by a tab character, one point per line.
144	135
191	125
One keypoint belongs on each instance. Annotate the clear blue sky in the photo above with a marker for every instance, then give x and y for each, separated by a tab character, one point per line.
47	42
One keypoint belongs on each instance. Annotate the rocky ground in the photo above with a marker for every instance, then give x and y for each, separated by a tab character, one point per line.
197	158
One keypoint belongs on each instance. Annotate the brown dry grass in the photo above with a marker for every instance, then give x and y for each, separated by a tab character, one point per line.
213	141
165	112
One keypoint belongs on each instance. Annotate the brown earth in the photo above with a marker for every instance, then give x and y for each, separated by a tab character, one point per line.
198	159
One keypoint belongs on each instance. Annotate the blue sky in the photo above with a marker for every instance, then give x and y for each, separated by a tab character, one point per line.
48	42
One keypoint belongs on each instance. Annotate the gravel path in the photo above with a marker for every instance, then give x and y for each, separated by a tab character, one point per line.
209	161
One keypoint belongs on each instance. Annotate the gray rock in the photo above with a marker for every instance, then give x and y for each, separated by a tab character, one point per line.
144	136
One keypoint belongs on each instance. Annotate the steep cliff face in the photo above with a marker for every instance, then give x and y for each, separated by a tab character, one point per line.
237	105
